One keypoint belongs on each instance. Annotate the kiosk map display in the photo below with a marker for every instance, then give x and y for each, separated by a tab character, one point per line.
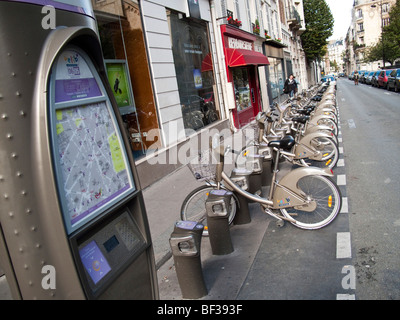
92	167
91	160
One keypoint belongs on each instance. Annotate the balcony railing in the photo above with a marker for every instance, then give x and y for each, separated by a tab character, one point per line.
294	19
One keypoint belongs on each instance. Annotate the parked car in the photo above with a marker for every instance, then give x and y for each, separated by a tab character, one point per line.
374	79
394	80
351	76
329	78
383	78
361	75
368	78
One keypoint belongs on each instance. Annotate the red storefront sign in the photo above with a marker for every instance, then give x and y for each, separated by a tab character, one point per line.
241	66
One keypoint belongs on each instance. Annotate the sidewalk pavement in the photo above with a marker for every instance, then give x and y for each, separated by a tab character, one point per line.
224	275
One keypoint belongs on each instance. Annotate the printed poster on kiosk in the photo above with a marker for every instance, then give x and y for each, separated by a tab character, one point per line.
93	171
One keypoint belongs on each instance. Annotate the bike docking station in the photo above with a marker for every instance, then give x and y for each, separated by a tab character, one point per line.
73	224
241	177
185	242
217	209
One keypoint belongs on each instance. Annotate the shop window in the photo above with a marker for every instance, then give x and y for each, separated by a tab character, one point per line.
194	71
242	88
276	77
129	76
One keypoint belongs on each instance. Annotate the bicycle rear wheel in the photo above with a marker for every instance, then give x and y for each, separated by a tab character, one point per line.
194	206
328	200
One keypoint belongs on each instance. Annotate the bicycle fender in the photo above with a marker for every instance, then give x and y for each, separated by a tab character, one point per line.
287	193
305	150
315	119
318	127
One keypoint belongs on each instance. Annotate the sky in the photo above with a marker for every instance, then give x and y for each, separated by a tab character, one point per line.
341	11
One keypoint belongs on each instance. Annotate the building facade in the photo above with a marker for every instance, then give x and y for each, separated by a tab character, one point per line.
368	18
336	49
182	67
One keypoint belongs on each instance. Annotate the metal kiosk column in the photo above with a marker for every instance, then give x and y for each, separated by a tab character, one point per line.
73	224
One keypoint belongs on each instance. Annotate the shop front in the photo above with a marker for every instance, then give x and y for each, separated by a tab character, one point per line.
194	71
242	61
124	51
276	71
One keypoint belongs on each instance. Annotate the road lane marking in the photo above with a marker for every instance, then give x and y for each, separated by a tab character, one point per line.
343	245
341	180
351	123
345	296
345	205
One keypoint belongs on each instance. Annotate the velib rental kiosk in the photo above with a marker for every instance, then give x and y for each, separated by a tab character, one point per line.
73	220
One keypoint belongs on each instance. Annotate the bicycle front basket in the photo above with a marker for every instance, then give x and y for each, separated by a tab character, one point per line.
204	165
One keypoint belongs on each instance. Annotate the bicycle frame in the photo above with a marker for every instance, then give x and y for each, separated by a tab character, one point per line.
283	194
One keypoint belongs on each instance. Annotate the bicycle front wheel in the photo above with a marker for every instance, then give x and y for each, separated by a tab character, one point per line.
194	206
329	150
328	200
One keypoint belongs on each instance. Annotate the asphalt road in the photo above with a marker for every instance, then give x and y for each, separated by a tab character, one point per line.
370	120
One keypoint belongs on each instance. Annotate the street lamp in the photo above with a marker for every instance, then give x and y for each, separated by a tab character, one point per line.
383	48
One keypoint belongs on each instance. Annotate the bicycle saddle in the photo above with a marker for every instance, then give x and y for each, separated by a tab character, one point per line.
307	111
286	143
302	119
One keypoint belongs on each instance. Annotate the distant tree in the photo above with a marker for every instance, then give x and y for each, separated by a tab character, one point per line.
387	49
392	31
334	65
319	27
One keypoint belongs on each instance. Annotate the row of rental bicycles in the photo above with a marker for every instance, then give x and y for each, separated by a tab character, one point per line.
300	132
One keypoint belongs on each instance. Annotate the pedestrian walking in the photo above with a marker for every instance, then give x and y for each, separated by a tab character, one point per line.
290	86
356	77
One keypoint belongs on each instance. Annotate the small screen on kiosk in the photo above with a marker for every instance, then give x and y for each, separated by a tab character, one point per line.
94	261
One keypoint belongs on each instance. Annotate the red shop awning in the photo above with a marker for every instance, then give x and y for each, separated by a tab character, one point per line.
241	57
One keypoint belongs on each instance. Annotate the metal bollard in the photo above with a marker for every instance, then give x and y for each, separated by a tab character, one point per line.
217	208
266	153
255	164
241	177
185	243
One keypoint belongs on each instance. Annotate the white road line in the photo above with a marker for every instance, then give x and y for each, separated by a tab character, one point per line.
345	205
345	296
341	180
351	123
340	163
341	150
343	245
